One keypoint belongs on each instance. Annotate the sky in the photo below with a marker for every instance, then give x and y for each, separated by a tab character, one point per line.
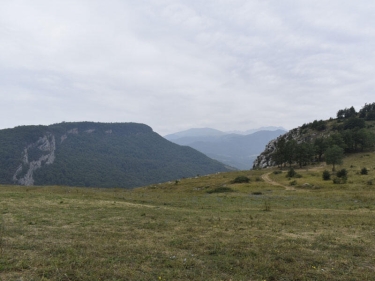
176	65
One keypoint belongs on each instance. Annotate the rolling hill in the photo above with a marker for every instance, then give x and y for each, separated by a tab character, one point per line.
203	229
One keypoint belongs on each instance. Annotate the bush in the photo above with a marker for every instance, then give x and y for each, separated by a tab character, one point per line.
291	173
339	180
343	173
293	182
277	172
220	189
257	193
241	179
364	171
326	175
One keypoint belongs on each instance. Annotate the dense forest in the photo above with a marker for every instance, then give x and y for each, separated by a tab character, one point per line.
96	155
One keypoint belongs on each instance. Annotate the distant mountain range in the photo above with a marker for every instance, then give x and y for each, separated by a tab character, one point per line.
236	150
251	131
96	155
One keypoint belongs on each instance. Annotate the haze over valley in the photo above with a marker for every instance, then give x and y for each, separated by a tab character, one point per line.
238	149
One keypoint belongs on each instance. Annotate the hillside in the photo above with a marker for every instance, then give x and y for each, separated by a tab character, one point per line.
234	150
203	229
96	154
350	132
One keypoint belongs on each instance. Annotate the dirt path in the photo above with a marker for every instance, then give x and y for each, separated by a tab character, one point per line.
266	178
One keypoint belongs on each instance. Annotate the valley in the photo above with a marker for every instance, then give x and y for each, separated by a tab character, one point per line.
238	150
305	212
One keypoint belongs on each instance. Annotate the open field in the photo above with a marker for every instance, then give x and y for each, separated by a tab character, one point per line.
196	229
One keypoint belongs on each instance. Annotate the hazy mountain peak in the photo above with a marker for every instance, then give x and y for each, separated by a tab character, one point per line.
251	131
195	132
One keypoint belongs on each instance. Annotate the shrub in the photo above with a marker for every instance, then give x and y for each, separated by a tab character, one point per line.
257	193
241	179
339	180
343	173
364	171
291	173
293	182
370	182
220	189
326	175
277	172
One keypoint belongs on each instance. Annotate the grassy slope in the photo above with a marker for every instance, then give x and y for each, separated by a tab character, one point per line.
181	232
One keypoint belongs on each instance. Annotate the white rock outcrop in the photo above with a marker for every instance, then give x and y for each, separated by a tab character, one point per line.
24	173
264	160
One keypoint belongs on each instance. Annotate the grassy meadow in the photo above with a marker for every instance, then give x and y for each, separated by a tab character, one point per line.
204	228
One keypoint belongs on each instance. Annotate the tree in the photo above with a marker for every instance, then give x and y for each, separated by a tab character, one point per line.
350	113
304	153
346	113
368	111
336	139
290	151
370	116
320	145
334	156
279	154
354	123
318	125
340	114
349	140
364	139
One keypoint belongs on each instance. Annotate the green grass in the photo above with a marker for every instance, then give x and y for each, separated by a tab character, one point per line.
200	229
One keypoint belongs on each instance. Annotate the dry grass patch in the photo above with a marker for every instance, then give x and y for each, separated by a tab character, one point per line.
180	231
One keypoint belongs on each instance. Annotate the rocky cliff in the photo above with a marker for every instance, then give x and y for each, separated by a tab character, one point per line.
264	160
45	147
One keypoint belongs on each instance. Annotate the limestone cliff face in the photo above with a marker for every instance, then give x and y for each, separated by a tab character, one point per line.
264	160
43	153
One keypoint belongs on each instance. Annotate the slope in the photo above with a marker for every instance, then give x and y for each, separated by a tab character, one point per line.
350	132
203	229
96	154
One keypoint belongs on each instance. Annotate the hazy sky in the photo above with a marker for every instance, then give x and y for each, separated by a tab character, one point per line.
175	65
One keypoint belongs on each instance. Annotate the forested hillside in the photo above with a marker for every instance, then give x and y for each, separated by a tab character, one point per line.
349	132
96	154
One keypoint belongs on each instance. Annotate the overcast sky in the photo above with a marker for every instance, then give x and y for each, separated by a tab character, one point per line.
175	65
